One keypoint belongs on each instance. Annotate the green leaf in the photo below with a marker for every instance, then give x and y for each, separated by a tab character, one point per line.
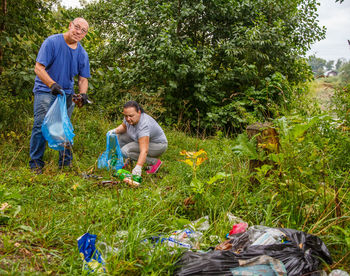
18	209
218	176
181	222
26	228
246	147
197	186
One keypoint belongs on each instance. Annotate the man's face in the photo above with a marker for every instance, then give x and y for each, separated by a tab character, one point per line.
131	115
78	29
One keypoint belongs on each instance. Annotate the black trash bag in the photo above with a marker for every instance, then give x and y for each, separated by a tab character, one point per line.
235	243
210	263
303	254
311	244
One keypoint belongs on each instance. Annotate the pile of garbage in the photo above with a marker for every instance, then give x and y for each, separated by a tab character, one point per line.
259	250
255	250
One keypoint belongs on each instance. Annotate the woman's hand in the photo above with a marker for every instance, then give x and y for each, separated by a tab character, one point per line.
137	170
119	130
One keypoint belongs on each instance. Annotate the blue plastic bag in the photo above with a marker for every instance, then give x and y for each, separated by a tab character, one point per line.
88	252
57	128
112	157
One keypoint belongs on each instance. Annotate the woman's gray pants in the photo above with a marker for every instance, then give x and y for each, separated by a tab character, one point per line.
131	149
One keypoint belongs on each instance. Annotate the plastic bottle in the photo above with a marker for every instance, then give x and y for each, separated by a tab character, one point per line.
127	177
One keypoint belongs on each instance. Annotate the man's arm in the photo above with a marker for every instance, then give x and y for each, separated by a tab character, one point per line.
83	85
43	75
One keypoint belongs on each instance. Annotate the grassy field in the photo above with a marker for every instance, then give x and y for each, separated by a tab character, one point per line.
306	188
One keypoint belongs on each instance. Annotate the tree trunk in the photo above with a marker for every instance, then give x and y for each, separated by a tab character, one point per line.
267	140
2	27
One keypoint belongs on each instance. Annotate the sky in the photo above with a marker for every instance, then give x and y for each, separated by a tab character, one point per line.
334	16
70	3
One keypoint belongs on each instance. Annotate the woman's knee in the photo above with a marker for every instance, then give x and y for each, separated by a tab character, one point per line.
125	151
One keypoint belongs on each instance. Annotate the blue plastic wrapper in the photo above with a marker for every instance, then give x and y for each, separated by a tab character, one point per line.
185	238
57	128
112	157
88	252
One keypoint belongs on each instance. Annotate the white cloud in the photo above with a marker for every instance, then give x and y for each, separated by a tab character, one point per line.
336	18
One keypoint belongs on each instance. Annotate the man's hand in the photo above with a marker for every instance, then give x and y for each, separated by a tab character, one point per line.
56	89
85	98
137	170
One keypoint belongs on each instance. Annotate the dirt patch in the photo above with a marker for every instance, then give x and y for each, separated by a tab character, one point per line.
323	94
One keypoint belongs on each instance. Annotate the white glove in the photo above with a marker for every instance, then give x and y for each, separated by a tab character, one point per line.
137	170
112	131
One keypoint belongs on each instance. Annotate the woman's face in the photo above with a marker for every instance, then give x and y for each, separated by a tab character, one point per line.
132	116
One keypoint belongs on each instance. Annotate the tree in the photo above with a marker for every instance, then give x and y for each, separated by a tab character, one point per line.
317	64
209	61
339	63
345	73
24	25
329	65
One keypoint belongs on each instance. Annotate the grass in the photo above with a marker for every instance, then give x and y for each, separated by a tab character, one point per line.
47	213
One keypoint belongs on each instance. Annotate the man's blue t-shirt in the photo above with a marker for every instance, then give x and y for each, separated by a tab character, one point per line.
62	63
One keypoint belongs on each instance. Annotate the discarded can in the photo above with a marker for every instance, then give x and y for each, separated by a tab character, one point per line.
128	177
78	100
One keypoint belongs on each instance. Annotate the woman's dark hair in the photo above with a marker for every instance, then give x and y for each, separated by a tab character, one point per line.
135	105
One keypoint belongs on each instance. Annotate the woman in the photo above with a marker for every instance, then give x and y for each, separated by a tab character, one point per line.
141	138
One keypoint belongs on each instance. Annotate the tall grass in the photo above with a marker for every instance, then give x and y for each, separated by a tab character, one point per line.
49	212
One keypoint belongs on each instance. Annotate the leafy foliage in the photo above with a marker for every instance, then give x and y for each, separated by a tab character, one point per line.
194	64
345	73
341	100
208	63
24	26
317	65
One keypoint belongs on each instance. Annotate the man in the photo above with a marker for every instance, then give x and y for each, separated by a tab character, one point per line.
141	138
60	58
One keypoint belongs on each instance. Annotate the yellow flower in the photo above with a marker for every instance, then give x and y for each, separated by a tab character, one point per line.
200	152
193	154
193	159
188	162
200	160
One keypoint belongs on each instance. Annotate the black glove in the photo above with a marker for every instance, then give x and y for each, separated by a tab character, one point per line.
56	89
84	96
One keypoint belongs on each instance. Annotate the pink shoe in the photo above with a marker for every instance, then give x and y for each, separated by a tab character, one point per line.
154	168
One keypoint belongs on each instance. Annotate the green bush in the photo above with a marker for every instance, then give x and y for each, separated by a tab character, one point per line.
211	64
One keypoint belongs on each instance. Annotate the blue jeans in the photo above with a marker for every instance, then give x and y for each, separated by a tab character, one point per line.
42	103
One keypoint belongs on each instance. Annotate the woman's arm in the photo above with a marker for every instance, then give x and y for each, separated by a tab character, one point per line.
144	144
120	129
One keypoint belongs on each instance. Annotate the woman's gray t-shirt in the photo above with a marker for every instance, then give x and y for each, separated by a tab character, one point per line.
146	126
